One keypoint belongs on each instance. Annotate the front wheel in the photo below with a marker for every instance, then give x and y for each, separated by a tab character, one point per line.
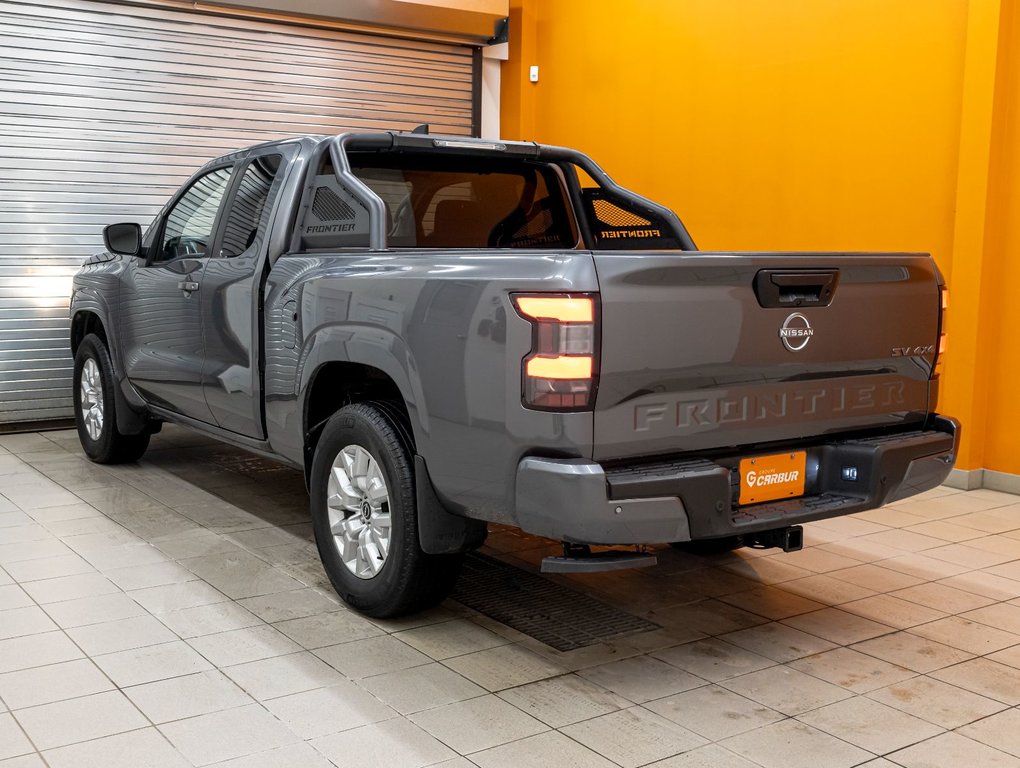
365	516
95	405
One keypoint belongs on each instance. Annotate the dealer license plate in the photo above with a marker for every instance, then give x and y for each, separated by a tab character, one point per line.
767	478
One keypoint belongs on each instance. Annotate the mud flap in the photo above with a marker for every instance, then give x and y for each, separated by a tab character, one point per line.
440	531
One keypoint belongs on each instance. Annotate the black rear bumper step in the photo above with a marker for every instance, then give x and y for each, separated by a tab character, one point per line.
578	558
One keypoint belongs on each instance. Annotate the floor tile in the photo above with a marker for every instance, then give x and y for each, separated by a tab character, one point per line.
175	597
1000	731
710	617
13	741
986	677
710	756
323	711
642	678
242	645
827	590
1001	616
82	719
942	597
396	743
32	760
149	575
121	635
13	596
876	578
146	746
951	750
325	629
505	666
778	642
296	604
786	690
54	682
535	752
451	638
937	702
228	734
765	570
30	620
564	700
93	610
791	744
372	656
892	611
967	635
283	675
412	690
49	568
177	698
240	575
870	725
714	712
36	650
713	659
853	670
771	602
470	726
838	626
151	663
633	737
298	755
209	619
912	651
1009	656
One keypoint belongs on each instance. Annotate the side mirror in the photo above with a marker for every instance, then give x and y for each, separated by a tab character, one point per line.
123	239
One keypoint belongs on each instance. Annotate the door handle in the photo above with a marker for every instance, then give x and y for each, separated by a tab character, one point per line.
188	286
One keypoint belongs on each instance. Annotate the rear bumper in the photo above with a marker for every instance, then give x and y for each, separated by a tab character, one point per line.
580	501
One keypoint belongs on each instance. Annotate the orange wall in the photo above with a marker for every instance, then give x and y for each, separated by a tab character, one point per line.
832	125
998	378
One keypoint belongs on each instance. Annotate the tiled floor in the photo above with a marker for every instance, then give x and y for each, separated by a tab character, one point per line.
174	613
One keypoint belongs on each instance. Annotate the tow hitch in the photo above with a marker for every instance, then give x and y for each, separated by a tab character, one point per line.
578	558
789	539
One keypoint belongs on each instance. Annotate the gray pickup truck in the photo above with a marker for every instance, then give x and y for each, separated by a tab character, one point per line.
444	332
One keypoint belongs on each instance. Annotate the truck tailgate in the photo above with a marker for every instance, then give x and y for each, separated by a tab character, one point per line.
694	357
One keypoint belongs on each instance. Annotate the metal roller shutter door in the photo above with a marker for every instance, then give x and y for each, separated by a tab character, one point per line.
105	110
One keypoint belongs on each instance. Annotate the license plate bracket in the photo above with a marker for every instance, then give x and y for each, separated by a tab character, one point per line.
772	477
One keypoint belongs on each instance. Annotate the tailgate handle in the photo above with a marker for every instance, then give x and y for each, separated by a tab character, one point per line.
795	288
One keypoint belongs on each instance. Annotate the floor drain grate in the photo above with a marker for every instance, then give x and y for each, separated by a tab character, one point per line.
547	611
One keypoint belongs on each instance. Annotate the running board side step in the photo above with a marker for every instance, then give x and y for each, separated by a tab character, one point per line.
578	558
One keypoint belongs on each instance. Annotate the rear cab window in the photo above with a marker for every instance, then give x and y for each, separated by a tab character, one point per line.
439	201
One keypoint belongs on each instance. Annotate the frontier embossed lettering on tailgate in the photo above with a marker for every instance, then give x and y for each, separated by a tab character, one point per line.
692	360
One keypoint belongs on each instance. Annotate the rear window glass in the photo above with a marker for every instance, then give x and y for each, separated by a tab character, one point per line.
443	202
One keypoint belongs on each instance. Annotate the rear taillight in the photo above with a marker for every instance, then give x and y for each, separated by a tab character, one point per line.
561	370
943	306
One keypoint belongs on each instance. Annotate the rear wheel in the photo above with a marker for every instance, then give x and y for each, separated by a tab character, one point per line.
365	517
95	406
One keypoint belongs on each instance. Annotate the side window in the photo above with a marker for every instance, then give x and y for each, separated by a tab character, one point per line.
251	205
189	225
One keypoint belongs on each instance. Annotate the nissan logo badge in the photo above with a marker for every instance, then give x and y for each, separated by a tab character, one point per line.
796	332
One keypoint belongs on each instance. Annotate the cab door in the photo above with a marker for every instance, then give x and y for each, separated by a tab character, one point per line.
231	286
161	332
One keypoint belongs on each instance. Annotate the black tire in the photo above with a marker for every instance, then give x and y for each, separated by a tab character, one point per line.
109	446
710	546
409	580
